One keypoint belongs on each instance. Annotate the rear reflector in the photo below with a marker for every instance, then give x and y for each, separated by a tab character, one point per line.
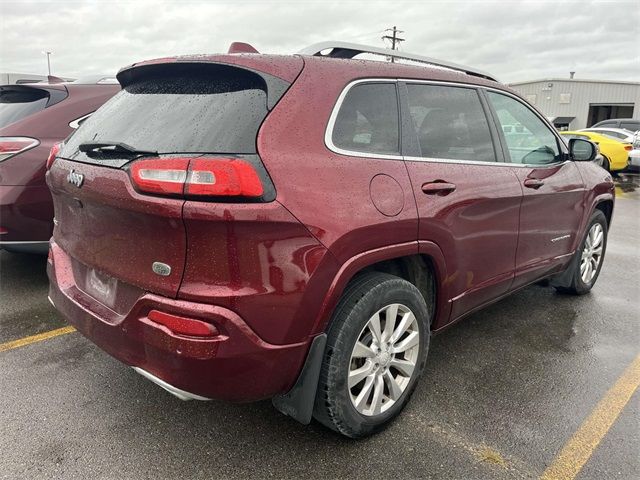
10	146
183	325
53	153
204	177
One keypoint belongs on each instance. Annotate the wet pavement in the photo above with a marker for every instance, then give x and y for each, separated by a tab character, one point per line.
504	391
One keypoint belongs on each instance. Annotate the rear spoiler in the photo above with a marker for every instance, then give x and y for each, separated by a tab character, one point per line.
275	86
55	93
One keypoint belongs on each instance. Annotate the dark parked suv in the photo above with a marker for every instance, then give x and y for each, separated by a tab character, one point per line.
249	226
32	118
627	123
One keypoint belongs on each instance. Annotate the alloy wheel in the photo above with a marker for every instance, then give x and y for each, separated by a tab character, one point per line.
383	359
592	253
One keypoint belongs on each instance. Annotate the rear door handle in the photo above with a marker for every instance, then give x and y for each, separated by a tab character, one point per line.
438	188
533	183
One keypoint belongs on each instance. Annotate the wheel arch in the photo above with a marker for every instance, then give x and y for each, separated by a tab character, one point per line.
606	207
421	263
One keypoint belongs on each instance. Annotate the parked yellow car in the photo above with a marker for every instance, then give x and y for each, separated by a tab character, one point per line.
615	152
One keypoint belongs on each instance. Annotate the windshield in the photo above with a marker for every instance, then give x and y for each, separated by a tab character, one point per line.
215	110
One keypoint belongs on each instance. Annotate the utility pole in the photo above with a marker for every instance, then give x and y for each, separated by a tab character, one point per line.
395	39
48	62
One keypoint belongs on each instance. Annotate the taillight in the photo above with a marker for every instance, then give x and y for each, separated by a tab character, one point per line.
208	176
223	177
628	148
182	325
53	153
10	146
166	176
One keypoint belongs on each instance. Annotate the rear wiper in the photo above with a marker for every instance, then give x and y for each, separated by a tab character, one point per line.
113	147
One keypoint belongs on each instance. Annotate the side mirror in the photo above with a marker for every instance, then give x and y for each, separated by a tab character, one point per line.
582	150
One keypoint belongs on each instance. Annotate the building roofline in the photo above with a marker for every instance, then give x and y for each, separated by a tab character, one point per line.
576	80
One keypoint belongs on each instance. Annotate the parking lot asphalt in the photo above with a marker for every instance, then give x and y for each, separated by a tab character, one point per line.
505	392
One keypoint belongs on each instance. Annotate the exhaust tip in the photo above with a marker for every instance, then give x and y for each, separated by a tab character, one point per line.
175	391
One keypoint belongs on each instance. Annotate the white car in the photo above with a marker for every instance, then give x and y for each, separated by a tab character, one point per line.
625	136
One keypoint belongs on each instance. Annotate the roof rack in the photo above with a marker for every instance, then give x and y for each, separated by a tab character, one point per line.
350	50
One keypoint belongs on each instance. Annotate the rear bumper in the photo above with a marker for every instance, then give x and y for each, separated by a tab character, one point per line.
26	214
39	248
235	366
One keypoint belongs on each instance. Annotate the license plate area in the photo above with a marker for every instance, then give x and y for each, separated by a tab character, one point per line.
101	287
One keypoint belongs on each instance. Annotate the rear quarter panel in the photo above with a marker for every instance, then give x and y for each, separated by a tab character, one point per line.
330	193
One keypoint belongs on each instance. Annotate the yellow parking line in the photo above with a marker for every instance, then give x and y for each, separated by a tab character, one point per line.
21	342
582	444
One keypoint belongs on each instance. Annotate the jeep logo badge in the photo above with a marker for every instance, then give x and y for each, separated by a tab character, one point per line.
75	178
161	269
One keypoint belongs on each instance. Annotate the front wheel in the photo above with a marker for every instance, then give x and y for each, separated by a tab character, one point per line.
376	350
587	262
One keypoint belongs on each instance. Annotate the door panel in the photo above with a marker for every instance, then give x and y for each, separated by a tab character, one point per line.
475	226
553	189
468	202
549	220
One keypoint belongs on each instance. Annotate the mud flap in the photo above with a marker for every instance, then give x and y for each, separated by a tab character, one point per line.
565	279
298	402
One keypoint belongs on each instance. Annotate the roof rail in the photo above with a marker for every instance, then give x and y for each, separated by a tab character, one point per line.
350	50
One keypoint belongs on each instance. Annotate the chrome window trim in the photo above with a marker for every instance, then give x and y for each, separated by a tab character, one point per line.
336	108
328	134
76	123
489	164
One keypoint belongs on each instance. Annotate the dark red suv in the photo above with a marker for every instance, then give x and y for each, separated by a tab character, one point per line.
249	226
32	118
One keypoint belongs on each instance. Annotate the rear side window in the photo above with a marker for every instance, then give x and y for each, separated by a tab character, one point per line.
450	123
368	120
16	104
214	109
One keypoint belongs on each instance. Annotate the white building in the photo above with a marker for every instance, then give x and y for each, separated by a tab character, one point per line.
21	78
572	104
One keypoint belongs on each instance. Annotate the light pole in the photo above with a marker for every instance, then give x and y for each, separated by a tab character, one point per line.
48	62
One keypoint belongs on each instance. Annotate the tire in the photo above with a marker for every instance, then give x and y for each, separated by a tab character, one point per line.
579	284
606	164
367	296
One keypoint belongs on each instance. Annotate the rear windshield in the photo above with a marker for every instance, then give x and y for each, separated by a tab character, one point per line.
211	110
18	104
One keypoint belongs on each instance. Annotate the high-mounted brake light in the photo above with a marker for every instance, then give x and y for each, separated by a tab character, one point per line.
208	176
183	325
53	153
10	146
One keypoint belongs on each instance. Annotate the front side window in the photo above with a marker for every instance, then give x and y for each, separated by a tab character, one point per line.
368	120
528	138
450	123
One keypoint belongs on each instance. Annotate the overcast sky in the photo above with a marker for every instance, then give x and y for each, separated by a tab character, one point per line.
513	40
